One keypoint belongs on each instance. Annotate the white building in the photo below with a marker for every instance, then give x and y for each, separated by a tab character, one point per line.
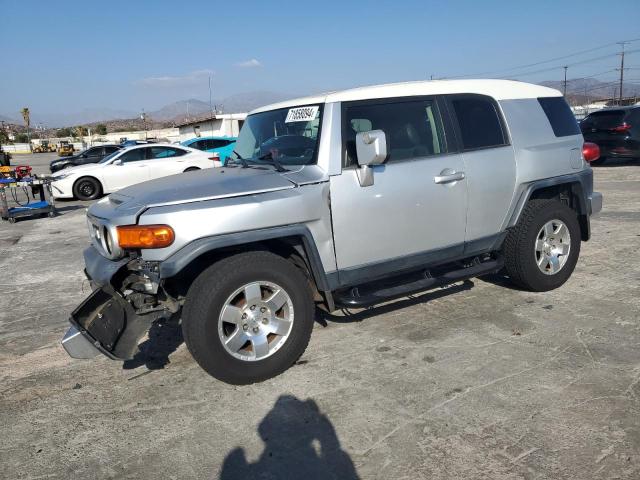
217	125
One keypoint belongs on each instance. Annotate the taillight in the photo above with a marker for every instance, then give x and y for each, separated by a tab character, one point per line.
624	128
215	156
145	236
590	151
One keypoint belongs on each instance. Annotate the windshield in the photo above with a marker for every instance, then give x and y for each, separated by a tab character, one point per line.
288	136
110	157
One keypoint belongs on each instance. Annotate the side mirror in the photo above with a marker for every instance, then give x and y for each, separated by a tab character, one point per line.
371	148
117	162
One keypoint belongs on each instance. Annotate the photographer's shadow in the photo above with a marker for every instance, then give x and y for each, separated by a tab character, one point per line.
300	442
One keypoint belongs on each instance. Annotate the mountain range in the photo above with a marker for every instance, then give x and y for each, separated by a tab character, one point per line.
578	91
173	112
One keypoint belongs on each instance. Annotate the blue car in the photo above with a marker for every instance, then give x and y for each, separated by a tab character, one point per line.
222	145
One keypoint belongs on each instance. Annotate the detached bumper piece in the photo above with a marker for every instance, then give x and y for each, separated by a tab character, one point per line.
596	202
105	322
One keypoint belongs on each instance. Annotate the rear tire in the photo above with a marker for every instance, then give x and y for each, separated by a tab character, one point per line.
532	249
223	288
191	169
87	188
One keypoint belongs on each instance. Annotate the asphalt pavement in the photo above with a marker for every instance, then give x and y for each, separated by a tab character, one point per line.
478	380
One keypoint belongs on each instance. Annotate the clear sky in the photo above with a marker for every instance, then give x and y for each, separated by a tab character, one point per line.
68	55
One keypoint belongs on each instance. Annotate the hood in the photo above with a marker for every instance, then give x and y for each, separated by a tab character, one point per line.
201	185
63	159
77	168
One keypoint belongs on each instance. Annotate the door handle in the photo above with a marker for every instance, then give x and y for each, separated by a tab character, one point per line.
448	177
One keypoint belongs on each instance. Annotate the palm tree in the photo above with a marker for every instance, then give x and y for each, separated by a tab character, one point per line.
27	121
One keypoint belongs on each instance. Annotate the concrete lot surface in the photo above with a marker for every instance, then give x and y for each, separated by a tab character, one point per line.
476	381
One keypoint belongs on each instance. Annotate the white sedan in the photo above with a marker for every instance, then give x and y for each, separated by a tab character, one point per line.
129	166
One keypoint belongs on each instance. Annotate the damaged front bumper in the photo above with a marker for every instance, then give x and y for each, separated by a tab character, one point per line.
126	300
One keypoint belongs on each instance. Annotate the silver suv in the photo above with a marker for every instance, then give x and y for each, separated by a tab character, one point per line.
341	200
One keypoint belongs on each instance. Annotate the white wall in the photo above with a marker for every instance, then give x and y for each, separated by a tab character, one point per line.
17	148
220	127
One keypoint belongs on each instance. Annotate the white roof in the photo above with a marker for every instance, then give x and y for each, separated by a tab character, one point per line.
498	89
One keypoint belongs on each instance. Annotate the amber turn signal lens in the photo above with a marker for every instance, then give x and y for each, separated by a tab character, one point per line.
145	236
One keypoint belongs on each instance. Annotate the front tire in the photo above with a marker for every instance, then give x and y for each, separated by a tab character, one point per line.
87	188
542	250
248	317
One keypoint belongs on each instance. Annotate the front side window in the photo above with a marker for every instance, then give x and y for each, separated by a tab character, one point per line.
94	152
198	145
133	155
413	128
479	122
287	135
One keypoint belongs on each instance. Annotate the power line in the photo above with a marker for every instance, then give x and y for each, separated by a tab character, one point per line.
592	76
558	67
575	54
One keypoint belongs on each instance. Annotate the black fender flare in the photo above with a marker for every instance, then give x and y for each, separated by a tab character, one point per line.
581	185
183	257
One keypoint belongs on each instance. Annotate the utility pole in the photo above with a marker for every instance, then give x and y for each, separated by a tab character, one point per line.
143	117
622	44
565	80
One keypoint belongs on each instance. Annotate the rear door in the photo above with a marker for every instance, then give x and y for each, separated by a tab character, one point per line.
489	164
414	212
133	169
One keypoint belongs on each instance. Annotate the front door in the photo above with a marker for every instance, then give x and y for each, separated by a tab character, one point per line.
415	211
133	169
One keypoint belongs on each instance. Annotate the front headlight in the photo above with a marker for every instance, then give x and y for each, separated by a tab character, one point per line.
61	176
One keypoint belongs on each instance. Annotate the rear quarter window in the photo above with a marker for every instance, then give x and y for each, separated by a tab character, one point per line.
560	116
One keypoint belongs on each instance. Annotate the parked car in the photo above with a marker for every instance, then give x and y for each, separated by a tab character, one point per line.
126	167
615	130
221	145
90	155
347	199
130	143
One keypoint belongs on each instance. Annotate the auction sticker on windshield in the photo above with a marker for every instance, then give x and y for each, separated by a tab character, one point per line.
301	114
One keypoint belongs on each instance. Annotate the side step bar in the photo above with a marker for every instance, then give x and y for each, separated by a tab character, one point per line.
378	292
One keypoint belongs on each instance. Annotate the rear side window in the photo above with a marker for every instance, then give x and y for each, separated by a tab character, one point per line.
165	152
560	116
479	122
413	129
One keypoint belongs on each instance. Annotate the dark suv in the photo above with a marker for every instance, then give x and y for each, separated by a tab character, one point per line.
90	155
615	130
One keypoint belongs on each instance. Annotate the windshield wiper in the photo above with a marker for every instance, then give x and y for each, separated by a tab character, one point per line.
242	160
276	163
